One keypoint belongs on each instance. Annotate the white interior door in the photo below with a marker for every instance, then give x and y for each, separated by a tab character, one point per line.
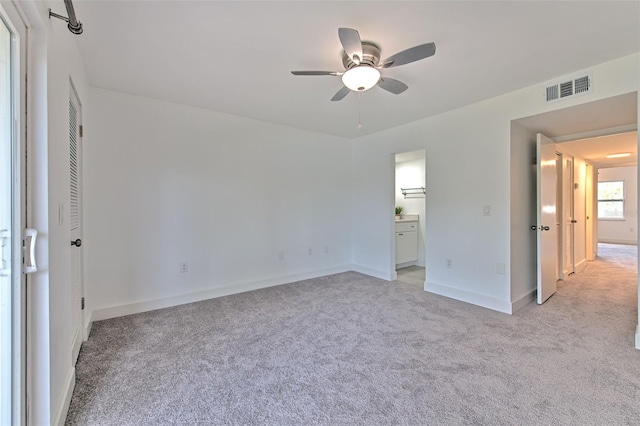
75	218
547	221
568	215
589	197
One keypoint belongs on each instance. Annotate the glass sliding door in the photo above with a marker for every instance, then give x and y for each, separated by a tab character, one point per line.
6	226
12	220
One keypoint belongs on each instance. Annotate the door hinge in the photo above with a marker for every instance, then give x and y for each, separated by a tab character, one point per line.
81	130
82	303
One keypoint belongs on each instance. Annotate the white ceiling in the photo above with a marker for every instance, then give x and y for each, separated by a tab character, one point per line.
594	129
596	149
235	56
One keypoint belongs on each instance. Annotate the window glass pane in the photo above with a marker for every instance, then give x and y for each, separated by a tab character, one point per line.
610	210
611	190
6	243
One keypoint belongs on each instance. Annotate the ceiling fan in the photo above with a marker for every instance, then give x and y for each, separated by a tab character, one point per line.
361	60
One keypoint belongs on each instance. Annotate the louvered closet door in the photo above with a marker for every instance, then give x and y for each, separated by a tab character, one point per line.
75	218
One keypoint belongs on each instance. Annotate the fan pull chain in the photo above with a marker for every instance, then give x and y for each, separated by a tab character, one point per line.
359	108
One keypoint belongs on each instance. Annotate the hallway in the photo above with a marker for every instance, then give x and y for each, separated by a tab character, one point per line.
602	297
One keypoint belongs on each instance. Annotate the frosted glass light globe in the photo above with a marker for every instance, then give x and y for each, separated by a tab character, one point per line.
361	78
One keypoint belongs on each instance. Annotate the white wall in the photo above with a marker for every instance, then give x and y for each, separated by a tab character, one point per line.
53	61
167	183
411	174
64	63
468	165
523	214
621	231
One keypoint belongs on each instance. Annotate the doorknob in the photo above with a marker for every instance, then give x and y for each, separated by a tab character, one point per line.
542	228
77	242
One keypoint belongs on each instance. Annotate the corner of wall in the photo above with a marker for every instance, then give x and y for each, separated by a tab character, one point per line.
377	273
523	301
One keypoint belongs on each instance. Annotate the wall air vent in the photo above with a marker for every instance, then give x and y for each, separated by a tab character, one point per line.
582	84
577	86
552	93
566	89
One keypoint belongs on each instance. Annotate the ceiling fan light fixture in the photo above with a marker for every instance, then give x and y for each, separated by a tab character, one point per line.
361	78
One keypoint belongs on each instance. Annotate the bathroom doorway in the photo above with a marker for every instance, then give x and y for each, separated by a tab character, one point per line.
410	218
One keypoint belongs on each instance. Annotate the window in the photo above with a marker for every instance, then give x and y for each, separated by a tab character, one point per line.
611	200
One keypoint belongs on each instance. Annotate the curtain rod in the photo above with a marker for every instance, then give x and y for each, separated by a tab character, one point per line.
73	24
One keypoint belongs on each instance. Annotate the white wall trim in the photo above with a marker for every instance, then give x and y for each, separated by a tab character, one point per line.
76	343
597	133
63	408
523	301
477	299
581	265
181	299
614	241
88	323
638	336
384	275
406	264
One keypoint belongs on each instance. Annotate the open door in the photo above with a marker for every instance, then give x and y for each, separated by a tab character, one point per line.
547	226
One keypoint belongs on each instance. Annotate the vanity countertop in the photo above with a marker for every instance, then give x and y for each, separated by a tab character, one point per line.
408	218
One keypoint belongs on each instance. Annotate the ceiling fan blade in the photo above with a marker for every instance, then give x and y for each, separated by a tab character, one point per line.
315	73
341	94
394	86
351	43
410	55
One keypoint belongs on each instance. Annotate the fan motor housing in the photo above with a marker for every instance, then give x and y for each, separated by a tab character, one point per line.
370	53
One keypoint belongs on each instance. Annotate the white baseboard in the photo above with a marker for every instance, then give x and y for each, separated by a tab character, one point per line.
75	345
467	296
88	323
580	265
616	241
523	301
181	299
63	408
638	336
384	275
407	264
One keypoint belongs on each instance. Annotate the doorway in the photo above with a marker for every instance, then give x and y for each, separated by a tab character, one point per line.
604	194
597	119
408	254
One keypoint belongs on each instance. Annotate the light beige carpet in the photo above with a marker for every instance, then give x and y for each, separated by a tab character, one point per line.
349	349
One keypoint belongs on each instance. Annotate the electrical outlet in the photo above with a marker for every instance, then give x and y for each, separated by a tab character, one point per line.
310	251
449	263
500	268
281	255
326	249
486	210
184	267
